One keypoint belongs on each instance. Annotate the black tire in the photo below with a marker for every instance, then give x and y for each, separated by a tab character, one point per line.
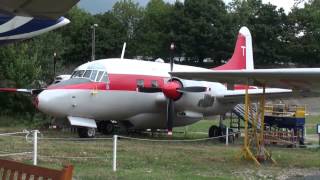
213	131
231	136
222	132
85	132
106	127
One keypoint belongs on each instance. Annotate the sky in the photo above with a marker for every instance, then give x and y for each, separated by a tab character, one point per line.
100	6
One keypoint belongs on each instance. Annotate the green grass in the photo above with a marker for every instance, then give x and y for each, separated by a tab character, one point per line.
162	160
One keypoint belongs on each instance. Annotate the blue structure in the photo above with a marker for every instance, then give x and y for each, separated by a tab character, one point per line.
291	123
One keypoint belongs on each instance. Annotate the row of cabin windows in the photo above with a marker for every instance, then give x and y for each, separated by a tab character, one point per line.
93	75
154	83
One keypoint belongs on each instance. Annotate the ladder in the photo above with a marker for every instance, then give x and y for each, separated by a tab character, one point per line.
239	111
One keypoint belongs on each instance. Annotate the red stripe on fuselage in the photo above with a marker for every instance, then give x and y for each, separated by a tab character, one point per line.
129	82
121	82
125	82
82	86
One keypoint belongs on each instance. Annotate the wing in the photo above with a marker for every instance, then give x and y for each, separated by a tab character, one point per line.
236	96
304	79
48	9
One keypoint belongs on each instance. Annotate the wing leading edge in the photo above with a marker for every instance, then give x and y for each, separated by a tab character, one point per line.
305	79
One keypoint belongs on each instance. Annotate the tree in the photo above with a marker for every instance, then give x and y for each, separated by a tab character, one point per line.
153	35
20	68
127	16
77	36
267	25
304	34
200	27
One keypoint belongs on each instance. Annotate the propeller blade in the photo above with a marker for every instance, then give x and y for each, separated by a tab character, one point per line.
193	89
27	91
149	90
170	116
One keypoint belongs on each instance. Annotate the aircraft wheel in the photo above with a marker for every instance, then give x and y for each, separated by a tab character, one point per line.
213	131
106	127
231	136
222	132
85	132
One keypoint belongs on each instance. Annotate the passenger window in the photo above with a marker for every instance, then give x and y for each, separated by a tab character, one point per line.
154	84
87	74
140	83
99	76
105	78
93	75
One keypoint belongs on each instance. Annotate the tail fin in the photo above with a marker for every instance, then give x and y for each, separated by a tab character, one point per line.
242	57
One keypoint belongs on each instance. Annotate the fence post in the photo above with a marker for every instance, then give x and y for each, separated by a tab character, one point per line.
227	136
115	139
35	147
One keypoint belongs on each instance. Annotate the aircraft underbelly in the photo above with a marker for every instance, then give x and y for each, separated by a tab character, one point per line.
98	105
158	121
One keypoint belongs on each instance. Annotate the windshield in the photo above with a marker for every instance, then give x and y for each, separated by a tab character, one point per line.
92	75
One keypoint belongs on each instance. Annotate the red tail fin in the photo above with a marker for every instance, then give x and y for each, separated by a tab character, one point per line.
242	57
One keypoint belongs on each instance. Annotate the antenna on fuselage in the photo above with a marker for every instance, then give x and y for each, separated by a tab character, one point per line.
123	50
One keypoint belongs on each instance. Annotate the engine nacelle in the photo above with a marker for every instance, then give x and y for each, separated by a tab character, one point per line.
206	102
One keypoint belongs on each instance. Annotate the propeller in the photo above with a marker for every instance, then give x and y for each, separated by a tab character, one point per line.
172	90
54	65
170	103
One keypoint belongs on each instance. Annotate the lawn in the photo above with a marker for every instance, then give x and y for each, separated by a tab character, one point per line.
207	159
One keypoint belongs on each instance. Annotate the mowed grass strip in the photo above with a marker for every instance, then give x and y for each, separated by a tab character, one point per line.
208	159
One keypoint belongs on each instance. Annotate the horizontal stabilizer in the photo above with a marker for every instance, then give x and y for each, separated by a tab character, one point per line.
237	96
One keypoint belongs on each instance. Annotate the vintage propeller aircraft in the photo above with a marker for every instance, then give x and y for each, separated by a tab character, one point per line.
23	19
142	94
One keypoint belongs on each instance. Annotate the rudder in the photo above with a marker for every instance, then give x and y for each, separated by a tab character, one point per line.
242	58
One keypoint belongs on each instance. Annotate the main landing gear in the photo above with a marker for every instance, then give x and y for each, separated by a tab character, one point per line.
215	131
221	130
86	132
105	127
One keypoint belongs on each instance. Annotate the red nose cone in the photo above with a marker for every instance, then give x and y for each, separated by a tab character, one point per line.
170	90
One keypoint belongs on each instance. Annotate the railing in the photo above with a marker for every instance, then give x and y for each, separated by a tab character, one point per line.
34	138
284	110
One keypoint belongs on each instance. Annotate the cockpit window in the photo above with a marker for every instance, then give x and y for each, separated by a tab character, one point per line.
93	75
87	74
99	76
105	78
77	74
